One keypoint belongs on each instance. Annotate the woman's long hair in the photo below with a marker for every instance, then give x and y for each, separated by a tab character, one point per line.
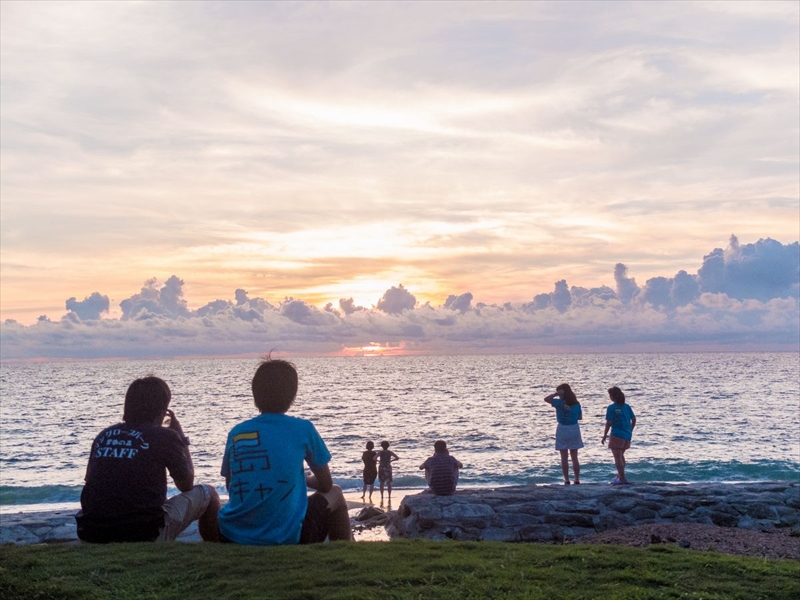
569	397
616	395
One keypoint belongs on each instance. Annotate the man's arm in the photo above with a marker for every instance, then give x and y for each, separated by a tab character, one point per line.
321	479
186	482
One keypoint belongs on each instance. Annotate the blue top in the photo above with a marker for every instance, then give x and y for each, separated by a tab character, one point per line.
620	416
264	461
566	415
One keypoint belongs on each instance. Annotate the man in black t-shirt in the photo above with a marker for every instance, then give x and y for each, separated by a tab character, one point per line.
125	495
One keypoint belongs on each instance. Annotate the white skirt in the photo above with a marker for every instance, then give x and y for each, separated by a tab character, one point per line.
568	437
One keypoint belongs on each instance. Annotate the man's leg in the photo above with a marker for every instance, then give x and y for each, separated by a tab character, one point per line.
200	502
339	519
208	523
326	516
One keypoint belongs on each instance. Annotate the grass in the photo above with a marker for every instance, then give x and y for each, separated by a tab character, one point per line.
396	570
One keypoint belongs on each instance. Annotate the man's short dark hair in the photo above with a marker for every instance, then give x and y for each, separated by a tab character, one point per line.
146	400
274	386
440	446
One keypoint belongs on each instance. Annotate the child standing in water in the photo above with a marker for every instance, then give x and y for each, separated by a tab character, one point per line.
621	421
568	432
369	458
386	458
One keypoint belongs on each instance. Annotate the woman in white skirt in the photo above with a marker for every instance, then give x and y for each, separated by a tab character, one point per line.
568	432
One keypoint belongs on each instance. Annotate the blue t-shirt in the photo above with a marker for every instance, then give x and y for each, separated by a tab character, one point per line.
620	416
567	415
264	461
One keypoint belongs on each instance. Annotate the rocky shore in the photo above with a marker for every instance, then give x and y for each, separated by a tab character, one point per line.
565	513
597	513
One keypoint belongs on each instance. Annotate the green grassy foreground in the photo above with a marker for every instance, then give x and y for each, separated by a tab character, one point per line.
400	569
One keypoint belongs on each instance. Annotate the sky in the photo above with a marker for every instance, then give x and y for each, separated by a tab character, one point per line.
183	178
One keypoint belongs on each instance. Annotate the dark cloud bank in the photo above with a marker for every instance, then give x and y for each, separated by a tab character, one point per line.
744	297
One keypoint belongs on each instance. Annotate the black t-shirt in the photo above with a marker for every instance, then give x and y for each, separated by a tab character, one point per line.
126	479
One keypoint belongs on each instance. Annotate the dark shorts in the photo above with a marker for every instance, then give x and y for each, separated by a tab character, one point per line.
370	475
315	525
617	443
317	521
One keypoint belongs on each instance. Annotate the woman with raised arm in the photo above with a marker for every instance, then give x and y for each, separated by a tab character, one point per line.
568	432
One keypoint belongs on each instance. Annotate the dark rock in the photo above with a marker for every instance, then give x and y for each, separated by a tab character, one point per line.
624	505
551	513
671	511
369	512
569	520
611	521
641	513
541	533
511	520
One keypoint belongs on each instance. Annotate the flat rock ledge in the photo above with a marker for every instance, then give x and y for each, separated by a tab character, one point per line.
562	513
55	527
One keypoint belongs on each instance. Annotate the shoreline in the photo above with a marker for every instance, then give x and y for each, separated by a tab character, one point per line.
55	523
353	495
569	509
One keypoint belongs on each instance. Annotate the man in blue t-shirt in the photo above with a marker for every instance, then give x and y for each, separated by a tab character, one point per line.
263	470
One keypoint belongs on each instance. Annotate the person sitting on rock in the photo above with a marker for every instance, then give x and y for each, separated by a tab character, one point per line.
125	495
441	470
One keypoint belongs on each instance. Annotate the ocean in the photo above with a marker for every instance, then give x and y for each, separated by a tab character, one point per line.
700	416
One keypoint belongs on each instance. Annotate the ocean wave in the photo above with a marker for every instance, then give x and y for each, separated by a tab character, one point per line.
45	494
669	471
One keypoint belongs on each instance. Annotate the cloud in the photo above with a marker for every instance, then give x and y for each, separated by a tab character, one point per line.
668	313
626	286
152	300
396	300
764	270
387	142
460	303
348	306
90	308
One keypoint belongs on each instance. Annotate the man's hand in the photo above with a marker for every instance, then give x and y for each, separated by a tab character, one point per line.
175	425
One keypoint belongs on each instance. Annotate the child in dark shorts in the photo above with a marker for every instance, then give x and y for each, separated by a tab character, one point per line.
369	457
